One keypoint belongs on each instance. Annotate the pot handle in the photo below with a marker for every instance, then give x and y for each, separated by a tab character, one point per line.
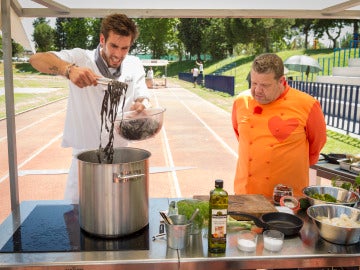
258	222
123	178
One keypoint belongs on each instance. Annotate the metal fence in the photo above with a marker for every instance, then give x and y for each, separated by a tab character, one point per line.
225	84
340	103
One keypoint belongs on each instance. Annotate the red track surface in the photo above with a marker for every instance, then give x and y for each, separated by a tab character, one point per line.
195	134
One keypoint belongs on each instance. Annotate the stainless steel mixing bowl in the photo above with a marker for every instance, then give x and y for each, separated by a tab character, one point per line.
332	233
342	196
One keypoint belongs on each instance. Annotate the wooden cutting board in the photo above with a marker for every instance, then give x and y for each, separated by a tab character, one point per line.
253	204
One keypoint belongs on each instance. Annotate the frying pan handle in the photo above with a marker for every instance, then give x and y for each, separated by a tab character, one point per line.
258	222
325	156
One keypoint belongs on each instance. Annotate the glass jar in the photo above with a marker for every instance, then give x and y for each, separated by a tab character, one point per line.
281	190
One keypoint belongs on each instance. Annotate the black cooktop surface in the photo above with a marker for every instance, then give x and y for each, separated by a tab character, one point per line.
55	228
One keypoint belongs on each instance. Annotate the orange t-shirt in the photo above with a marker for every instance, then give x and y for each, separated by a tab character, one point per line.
277	142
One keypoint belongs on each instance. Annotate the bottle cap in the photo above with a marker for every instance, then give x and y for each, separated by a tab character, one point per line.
219	183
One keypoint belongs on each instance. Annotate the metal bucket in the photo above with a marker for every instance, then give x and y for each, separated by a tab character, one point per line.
114	198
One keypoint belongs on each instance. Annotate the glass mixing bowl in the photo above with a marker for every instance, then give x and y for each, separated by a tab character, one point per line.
135	126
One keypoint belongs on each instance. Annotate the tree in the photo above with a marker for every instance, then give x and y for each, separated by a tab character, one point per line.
43	36
191	33
94	32
216	40
332	28
60	35
262	33
156	36
231	40
76	31
304	26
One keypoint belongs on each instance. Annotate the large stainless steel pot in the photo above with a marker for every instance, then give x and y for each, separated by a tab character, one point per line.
114	198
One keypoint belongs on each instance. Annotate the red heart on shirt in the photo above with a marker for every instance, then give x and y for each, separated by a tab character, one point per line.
281	129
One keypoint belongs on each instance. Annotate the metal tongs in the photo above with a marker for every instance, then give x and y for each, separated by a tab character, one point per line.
107	81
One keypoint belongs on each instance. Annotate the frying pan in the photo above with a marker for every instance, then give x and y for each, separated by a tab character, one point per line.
286	223
333	158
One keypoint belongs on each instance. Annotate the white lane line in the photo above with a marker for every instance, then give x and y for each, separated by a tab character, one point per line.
217	137
169	157
34	123
37	152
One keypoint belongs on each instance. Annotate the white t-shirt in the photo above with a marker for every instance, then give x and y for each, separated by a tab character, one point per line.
195	72
83	121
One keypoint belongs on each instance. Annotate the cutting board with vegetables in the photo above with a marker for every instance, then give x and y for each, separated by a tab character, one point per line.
253	204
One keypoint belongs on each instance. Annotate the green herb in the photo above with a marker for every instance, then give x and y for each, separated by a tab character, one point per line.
304	203
243	224
337	182
187	208
323	197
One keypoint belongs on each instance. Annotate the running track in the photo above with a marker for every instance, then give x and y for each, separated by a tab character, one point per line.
196	144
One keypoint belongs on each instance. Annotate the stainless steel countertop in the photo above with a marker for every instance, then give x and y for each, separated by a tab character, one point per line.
305	250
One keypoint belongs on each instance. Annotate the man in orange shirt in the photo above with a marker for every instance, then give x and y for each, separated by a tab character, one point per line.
280	130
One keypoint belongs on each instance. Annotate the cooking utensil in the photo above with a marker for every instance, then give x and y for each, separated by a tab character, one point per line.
342	196
286	223
160	235
166	218
193	215
333	158
107	81
114	198
335	234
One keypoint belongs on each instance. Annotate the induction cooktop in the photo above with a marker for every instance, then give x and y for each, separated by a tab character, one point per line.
56	228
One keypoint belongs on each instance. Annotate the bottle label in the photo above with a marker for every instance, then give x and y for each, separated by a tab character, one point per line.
218	226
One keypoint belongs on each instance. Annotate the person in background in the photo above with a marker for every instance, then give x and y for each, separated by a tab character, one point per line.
201	70
280	131
150	75
195	73
83	68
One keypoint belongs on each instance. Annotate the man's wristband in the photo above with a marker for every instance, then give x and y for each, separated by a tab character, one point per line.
68	69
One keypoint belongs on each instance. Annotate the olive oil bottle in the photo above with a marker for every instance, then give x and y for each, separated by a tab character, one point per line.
218	207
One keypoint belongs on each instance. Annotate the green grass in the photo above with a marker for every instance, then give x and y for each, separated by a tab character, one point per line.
25	76
243	64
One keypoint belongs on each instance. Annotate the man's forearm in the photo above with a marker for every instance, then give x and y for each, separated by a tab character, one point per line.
49	63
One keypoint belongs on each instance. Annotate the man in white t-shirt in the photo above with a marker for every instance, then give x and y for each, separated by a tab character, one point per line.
82	68
195	72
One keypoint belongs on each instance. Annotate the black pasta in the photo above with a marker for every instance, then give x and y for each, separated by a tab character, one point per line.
108	115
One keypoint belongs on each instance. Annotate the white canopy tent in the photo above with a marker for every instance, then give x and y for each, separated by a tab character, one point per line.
157	63
13	10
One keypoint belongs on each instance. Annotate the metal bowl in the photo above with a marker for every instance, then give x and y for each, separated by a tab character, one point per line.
342	196
335	234
135	126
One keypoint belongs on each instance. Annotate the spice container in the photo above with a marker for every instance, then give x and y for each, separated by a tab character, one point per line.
281	190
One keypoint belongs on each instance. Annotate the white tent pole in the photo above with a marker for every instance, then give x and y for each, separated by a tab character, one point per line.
9	101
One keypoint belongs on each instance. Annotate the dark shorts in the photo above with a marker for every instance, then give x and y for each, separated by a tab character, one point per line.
195	78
